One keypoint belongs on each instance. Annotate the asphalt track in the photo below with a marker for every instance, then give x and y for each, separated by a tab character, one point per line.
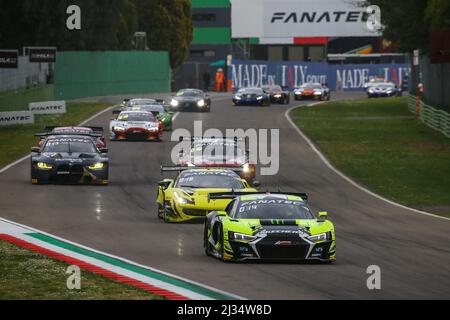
411	249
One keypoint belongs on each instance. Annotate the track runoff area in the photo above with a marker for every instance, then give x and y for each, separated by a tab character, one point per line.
121	219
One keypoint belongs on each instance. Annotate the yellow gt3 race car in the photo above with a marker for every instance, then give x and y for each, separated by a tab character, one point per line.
186	197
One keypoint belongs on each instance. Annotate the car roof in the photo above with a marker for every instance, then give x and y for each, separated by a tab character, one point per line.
212	170
269	196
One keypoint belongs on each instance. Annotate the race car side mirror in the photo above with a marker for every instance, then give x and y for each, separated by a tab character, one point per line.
36	150
103	150
323	216
164	184
221	213
256	184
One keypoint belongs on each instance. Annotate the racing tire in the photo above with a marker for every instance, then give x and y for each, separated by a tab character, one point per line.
160	211
206	244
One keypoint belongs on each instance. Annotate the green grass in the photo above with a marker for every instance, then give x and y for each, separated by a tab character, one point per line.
381	145
17	100
16	140
26	275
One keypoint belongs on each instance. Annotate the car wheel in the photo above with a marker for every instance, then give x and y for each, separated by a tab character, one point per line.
206	243
220	240
160	211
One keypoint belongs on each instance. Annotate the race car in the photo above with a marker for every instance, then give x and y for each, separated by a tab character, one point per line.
277	94
251	97
220	152
136	125
186	197
191	100
96	133
372	81
268	226
158	110
69	159
314	91
383	89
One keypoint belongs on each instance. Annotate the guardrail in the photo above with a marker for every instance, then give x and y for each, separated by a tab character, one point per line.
436	119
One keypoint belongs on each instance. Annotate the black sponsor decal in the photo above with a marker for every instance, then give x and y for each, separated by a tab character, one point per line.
319	17
47	108
15	118
9	59
42	55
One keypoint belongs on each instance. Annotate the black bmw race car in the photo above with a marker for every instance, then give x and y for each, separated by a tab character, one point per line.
69	159
191	100
277	94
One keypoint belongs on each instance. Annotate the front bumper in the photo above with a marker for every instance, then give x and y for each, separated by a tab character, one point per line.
136	134
279	249
70	174
249	102
380	94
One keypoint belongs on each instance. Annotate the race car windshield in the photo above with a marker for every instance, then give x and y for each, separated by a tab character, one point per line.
189	93
311	86
272	209
385	85
251	91
218	151
218	180
141	102
144	117
69	147
272	88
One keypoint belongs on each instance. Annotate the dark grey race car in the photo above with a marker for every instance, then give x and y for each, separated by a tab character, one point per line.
69	159
191	100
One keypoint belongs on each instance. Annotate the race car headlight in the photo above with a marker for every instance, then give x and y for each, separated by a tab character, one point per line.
97	166
174	103
319	237
44	166
371	91
259	98
182	200
390	91
119	129
240	237
317	93
247	168
237	97
277	96
201	103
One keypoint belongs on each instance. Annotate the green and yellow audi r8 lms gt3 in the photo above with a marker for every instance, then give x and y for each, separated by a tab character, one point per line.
186	197
268	226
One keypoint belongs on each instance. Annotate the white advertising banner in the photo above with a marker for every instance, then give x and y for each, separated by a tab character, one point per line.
48	107
16	117
303	18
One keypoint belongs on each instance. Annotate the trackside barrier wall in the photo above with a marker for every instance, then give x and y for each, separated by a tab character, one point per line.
345	77
87	74
436	119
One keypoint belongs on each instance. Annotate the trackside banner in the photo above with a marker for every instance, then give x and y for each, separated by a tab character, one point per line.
349	77
17	117
47	107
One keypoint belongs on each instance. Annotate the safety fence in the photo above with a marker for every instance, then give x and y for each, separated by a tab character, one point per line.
434	118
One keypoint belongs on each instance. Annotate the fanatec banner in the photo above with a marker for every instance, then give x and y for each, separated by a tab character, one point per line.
48	107
301	18
17	117
348	77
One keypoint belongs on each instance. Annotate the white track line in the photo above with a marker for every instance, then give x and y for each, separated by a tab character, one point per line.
343	176
34	230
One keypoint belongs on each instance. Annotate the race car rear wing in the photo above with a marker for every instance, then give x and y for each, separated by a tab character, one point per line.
232	195
181	169
97	132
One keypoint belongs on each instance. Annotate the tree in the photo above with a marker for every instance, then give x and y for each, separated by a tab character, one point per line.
437	15
168	24
404	22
